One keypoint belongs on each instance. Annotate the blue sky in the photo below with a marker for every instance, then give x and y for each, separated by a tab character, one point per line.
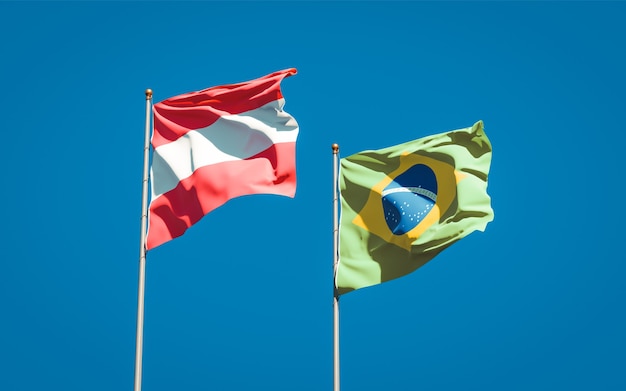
243	301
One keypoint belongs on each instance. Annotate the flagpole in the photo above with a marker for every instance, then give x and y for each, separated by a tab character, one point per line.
142	246
335	263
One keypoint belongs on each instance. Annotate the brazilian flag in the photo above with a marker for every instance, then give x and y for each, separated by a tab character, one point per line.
403	205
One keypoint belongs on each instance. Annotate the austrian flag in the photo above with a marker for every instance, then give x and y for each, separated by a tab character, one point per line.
216	144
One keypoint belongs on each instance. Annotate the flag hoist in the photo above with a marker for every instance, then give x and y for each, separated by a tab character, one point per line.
335	261
142	246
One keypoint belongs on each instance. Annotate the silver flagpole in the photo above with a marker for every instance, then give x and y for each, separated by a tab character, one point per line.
335	262
142	246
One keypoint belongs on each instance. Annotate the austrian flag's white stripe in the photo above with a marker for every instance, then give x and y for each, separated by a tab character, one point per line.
232	137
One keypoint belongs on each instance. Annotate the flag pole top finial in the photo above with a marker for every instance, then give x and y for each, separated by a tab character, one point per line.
335	148
148	94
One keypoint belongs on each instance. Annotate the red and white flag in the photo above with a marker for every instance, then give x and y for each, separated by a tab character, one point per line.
217	144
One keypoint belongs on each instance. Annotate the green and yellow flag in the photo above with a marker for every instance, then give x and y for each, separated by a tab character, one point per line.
403	205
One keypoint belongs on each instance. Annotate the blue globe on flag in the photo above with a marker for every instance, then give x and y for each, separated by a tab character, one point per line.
409	198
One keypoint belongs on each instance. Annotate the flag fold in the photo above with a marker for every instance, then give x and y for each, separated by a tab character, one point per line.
401	206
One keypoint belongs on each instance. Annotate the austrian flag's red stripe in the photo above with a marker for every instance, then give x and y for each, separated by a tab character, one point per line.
176	116
269	172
